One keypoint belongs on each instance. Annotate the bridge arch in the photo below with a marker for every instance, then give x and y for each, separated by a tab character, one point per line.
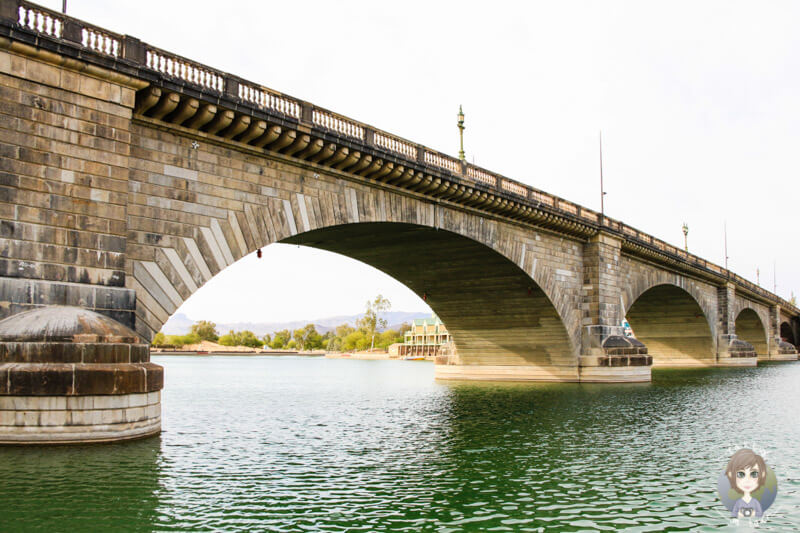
498	313
787	333
750	328
671	322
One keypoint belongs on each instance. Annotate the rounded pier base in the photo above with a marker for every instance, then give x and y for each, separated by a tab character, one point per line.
506	373
737	361
619	374
784	351
683	363
79	419
781	357
704	363
71	376
585	374
624	360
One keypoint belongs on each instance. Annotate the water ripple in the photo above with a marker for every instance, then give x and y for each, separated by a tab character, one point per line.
289	444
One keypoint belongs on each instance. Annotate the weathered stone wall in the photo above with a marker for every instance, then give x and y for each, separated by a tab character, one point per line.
753	324
637	277
675	316
196	208
790	327
750	328
64	142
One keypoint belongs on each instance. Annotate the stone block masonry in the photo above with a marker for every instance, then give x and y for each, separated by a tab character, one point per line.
64	150
130	176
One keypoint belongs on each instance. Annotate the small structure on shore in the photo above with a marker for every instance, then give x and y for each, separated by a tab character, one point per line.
424	339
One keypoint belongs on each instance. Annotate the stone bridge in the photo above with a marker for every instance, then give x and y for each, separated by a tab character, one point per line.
131	176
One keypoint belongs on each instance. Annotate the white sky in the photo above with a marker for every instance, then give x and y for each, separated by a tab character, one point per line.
698	104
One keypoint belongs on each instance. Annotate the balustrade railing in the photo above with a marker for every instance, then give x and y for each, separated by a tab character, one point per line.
59	26
100	41
569	207
514	187
482	176
443	161
268	99
395	144
184	69
337	123
542	198
40	19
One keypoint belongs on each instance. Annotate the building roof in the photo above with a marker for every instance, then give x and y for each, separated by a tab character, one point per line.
432	321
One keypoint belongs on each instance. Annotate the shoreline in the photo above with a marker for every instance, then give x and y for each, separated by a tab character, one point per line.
277	353
364	356
373	356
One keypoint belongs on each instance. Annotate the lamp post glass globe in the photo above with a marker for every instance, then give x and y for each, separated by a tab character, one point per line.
685	229
461	132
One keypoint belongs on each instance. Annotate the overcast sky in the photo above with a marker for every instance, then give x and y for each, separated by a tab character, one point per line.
697	101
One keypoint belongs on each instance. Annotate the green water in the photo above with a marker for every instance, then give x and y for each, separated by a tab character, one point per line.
291	444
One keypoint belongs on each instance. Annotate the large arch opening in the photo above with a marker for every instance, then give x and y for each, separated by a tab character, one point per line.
670	322
495	312
750	328
787	334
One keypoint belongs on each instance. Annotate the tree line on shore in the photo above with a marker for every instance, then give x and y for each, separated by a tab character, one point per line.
365	335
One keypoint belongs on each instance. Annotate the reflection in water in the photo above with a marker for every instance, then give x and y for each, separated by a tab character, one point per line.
80	488
289	443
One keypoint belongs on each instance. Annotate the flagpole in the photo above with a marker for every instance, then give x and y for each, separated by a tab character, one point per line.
602	189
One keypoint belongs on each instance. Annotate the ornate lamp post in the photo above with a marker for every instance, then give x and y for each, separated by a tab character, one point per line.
461	132
685	229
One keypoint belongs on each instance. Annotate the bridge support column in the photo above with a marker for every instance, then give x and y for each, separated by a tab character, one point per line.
779	350
71	376
607	355
731	351
66	170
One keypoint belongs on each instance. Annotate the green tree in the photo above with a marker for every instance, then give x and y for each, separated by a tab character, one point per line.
344	330
387	338
371	321
307	338
182	340
249	339
280	339
229	339
205	330
160	339
241	338
357	340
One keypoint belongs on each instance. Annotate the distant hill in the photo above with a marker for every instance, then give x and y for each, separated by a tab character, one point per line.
179	324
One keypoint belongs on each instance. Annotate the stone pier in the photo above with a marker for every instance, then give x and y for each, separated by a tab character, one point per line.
71	376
